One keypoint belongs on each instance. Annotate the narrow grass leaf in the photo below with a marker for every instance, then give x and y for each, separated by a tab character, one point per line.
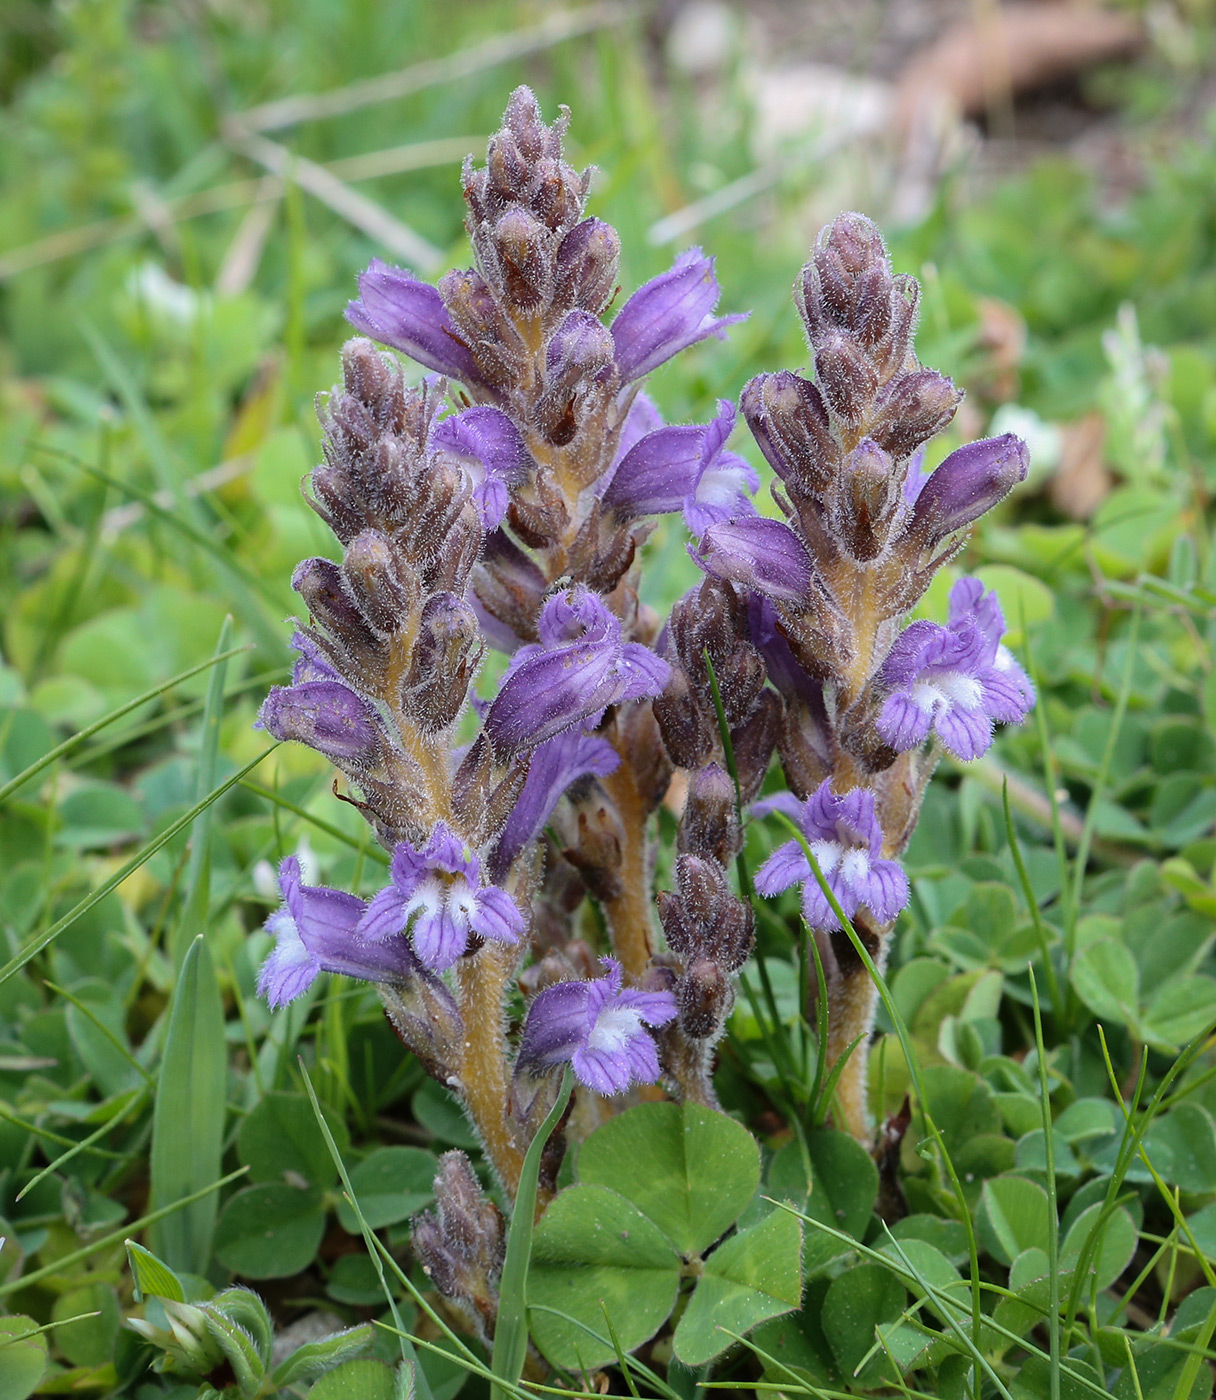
145	853
193	919
74	742
511	1330
188	1116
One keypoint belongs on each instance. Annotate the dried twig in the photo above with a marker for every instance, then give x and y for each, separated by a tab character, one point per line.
394	160
365	214
386	87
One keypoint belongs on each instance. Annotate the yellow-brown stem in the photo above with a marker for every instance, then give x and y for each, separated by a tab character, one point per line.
484	1074
629	913
852	996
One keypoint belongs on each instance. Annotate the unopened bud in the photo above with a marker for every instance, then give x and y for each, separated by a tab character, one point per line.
914	408
444	659
789	421
588	261
846	377
382	585
704	996
523	245
709	825
866	498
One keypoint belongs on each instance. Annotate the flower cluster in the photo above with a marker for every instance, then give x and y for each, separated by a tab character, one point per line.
500	504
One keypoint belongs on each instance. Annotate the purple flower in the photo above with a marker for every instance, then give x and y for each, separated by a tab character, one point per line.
968	483
491	452
668	314
579	668
398	310
555	764
312	664
956	680
439	889
316	931
844	834
599	1028
764	555
685	468
326	715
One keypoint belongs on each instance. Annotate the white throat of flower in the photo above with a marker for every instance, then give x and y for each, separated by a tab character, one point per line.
947	690
614	1028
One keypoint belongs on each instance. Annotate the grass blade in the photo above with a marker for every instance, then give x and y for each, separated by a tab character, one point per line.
511	1330
145	853
68	745
198	872
188	1115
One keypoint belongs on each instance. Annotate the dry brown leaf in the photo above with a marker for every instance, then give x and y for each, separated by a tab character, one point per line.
979	64
1081	482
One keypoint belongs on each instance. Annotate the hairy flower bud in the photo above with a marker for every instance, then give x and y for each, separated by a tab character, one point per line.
789	421
587	265
522	245
914	408
709	825
867	498
445	657
319	583
846	376
382	584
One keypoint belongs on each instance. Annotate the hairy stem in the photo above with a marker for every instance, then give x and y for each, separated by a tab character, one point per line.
484	1074
629	912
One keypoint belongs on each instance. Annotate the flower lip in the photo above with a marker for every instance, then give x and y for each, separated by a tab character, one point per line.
955	681
667	314
315	931
843	833
579	667
438	897
599	1028
396	309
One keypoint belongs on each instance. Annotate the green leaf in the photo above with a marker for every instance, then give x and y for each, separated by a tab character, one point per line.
1106	978
90	1340
315	1358
153	1279
239	1351
1013	1216
855	1305
797	1343
1188	1135
390	1185
354	1280
270	1231
690	1170
22	1357
755	1275
279	1138
844	1182
243	1307
1116	1244
356	1380
594	1253
1182	1009
188	1118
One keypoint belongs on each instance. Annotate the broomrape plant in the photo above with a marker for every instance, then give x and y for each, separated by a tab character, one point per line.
502	504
